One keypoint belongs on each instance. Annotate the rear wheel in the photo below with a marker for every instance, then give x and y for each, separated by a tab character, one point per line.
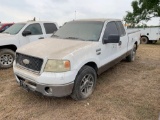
144	40
131	57
84	83
7	57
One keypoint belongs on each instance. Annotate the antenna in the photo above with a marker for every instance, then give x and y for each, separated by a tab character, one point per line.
75	14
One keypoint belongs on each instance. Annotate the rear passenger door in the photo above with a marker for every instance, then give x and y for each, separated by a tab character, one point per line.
123	45
50	28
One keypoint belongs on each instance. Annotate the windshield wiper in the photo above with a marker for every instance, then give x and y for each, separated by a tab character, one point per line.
55	36
74	38
92	40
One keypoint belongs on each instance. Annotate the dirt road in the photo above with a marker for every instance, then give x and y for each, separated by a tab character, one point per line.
128	91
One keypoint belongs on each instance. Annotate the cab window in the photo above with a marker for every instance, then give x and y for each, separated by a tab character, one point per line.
120	28
50	28
111	29
35	29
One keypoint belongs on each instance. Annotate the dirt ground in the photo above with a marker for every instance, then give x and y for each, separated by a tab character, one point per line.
128	91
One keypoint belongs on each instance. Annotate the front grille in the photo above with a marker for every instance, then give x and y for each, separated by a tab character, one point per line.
29	62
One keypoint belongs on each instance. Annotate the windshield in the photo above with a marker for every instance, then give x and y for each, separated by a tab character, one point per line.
14	29
80	30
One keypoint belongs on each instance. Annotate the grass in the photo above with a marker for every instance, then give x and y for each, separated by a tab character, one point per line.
128	91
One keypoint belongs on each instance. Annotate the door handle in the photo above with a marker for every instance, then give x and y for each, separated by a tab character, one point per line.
98	51
41	38
120	43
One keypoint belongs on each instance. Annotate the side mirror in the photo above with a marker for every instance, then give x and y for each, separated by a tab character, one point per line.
26	33
111	39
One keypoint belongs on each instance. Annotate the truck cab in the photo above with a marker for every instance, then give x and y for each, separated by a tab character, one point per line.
69	62
20	34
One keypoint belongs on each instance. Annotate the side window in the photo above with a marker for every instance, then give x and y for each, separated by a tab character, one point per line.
121	28
111	29
35	29
50	28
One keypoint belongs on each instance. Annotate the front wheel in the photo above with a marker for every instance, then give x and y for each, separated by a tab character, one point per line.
7	57
131	57
84	83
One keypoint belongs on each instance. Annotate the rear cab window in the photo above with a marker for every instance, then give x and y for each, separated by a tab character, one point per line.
120	28
50	28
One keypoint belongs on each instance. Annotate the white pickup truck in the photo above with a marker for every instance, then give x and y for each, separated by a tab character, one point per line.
20	34
68	63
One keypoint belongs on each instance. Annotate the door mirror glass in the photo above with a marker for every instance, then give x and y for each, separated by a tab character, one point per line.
112	39
26	33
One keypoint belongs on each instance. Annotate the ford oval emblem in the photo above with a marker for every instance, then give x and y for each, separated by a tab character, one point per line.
26	61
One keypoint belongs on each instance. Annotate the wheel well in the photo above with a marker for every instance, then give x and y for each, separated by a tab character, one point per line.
144	36
93	65
11	47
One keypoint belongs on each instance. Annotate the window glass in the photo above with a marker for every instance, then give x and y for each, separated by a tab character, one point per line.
111	29
50	28
5	27
35	29
81	30
120	28
14	29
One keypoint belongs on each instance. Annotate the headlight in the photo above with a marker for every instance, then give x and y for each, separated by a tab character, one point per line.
57	66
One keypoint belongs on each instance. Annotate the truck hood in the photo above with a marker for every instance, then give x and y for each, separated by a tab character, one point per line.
53	48
5	39
5	36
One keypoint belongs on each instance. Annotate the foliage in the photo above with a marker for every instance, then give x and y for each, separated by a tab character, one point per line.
142	10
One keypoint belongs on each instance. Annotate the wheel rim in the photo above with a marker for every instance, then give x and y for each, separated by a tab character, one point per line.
87	84
143	40
6	59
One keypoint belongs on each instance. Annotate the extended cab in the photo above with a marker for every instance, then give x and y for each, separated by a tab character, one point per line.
68	63
20	34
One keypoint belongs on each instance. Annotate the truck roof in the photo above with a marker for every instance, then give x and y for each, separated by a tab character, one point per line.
38	22
30	22
6	23
100	19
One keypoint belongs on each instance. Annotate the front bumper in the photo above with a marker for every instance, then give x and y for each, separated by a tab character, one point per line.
46	90
48	84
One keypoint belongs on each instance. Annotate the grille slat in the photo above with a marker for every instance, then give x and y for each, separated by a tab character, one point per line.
34	64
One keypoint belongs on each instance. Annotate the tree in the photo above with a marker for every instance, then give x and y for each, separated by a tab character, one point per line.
143	10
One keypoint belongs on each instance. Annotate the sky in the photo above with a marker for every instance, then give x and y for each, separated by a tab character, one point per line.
61	11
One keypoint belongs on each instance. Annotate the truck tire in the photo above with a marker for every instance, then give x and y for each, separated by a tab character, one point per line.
132	55
7	57
84	83
144	40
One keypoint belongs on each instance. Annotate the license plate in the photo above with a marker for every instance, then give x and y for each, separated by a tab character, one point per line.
24	86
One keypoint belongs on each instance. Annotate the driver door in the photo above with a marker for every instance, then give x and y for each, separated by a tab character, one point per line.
36	34
109	51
